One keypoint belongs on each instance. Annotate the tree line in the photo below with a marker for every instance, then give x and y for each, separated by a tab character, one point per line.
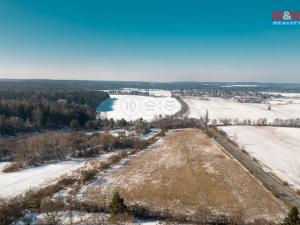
27	110
259	122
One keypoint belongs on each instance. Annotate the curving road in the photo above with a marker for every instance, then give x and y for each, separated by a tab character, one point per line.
269	181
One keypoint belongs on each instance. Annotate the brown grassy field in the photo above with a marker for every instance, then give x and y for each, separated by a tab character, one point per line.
187	172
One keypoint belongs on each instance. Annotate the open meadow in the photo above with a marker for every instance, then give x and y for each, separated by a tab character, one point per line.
185	172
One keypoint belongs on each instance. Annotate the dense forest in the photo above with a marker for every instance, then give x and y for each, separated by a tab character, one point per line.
33	107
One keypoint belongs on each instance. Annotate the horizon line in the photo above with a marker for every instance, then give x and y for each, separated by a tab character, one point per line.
141	81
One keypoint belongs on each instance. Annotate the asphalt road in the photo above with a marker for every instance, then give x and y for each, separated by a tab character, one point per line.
268	180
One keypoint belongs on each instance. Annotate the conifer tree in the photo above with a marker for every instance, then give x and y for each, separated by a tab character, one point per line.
117	204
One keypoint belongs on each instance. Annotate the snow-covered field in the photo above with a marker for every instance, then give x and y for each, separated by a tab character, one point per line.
277	149
15	183
12	184
133	107
219	108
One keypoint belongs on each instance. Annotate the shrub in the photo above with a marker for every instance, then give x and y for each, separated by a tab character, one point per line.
245	152
117	204
51	205
285	183
292	217
255	159
10	210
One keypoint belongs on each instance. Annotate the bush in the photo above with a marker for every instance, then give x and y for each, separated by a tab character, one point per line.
245	152
10	210
117	204
292	217
285	183
255	159
50	205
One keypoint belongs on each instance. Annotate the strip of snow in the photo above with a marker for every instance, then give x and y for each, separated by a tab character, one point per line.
148	222
277	148
117	132
151	134
240	85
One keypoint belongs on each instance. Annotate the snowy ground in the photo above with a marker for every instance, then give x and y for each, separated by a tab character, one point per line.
240	85
277	148
3	165
149	222
133	107
15	183
151	134
82	218
219	108
159	93
12	184
117	132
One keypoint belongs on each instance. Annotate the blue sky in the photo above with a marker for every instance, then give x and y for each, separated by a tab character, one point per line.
157	40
